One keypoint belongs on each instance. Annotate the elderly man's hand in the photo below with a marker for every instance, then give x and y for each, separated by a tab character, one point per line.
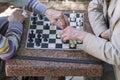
16	16
57	18
71	33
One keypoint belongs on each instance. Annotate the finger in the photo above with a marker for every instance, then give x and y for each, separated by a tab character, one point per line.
63	21
56	23
65	38
66	21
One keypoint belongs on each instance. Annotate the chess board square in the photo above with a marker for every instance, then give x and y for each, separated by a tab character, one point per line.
44	45
45	36
40	27
32	26
52	46
39	31
58	41
77	15
52	36
52	40
58	46
73	24
46	31
52	31
52	27
30	45
65	46
39	22
58	28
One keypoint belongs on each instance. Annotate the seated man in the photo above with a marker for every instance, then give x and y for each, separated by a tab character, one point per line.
105	45
10	40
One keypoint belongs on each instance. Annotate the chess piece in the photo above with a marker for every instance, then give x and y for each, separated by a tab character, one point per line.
39	35
58	35
34	20
47	26
40	17
72	44
73	16
45	39
30	39
32	35
37	41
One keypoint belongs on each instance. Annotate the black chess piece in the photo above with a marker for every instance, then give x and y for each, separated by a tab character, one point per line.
39	35
45	39
30	39
34	14
37	41
40	17
47	26
34	20
32	35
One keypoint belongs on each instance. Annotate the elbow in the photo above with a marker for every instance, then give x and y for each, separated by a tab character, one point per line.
10	52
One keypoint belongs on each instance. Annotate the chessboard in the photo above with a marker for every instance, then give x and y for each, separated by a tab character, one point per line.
43	35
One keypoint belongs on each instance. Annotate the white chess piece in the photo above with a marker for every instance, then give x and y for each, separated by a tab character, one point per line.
73	16
72	44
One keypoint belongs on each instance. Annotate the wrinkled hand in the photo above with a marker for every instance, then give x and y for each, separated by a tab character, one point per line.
57	18
16	16
71	33
106	34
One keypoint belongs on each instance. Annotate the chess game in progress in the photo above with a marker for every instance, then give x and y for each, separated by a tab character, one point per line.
43	35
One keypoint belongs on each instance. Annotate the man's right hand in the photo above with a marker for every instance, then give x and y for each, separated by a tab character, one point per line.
16	16
106	34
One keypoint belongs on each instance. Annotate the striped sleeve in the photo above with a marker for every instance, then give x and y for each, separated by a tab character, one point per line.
10	42
36	6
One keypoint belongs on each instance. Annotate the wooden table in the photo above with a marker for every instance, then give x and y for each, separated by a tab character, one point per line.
30	65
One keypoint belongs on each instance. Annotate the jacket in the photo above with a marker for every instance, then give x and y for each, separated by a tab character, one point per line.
104	15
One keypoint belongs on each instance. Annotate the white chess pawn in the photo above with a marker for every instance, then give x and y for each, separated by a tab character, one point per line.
59	35
72	44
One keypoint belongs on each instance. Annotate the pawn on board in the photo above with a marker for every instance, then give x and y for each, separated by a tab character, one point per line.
73	16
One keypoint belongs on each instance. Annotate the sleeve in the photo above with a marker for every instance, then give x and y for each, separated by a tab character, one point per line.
36	6
108	51
96	17
10	42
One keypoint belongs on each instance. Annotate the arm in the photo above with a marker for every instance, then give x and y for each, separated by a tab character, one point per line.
53	15
36	6
96	16
9	43
108	51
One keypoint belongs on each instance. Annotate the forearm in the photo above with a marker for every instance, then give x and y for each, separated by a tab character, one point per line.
96	17
11	40
36	6
101	49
